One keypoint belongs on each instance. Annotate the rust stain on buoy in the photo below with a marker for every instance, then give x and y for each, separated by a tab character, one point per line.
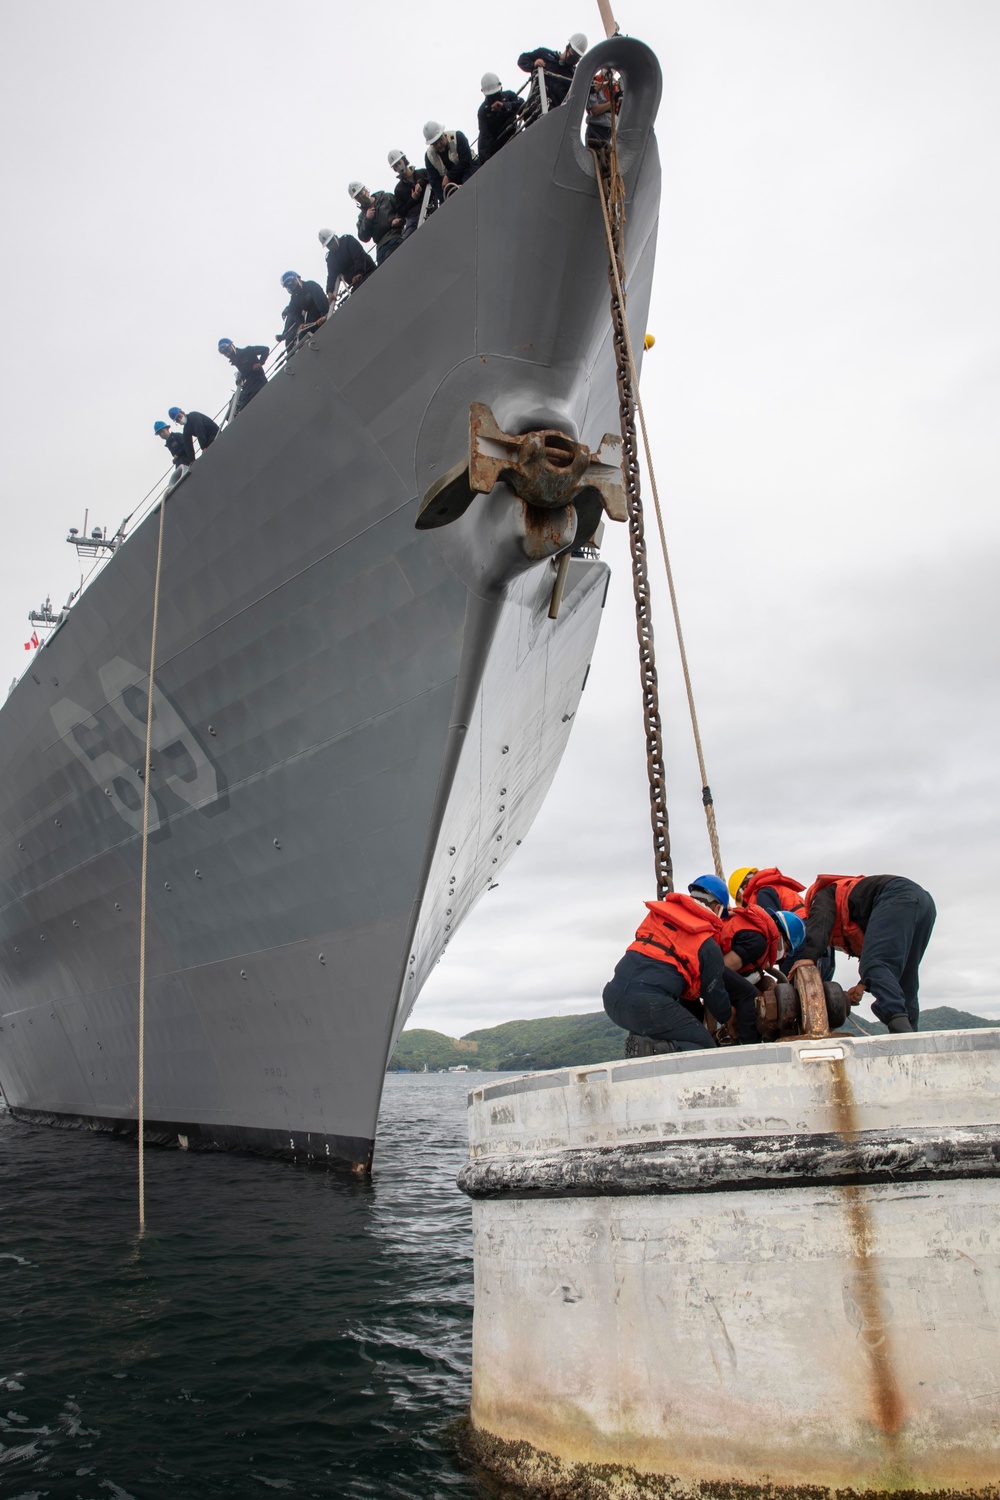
886	1401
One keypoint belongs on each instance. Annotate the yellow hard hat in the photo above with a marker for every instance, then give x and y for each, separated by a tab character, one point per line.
737	878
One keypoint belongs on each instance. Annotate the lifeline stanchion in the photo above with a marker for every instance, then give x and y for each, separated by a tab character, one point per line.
628	380
141	1101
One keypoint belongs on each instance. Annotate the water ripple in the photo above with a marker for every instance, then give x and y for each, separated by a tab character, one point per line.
276	1328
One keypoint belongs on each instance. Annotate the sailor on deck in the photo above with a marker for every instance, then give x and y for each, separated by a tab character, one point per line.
559	69
409	191
448	160
176	444
307	306
249	363
603	102
674	962
884	921
379	221
346	261
497	116
194	424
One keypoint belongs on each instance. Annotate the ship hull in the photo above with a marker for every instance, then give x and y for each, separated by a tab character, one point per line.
355	721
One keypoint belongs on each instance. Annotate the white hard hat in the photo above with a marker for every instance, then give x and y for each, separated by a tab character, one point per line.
490	84
433	132
395	156
326	235
579	43
354	188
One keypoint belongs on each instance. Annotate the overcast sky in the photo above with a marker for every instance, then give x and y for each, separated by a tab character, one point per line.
823	399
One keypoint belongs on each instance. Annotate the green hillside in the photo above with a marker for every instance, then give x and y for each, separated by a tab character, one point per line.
550	1042
439	1052
576	1041
514	1046
938	1018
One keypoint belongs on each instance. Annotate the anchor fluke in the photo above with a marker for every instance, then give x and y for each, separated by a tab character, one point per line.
546	469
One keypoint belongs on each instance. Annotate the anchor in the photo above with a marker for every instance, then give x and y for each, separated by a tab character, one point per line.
547	470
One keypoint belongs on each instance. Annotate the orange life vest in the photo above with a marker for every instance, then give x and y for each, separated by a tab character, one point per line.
599	85
751	919
846	935
789	891
673	932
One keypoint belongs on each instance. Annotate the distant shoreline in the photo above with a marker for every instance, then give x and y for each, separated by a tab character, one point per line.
577	1041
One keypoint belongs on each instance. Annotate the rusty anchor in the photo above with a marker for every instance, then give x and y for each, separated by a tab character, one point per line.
546	469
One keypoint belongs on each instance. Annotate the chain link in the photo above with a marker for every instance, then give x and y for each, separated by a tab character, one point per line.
607	166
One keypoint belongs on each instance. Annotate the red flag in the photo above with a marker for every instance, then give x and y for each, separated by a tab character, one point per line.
33	643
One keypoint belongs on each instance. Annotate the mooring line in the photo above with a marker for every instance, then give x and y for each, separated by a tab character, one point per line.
142	883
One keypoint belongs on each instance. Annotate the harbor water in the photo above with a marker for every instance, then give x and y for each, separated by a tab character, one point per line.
277	1328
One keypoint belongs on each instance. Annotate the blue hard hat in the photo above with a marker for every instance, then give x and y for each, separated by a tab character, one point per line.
160	426
174	413
226	344
792	926
289	277
715	887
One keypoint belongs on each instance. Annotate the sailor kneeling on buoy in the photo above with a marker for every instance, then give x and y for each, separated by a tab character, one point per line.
885	922
674	963
753	940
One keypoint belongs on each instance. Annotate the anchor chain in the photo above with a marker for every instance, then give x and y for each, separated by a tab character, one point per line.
613	189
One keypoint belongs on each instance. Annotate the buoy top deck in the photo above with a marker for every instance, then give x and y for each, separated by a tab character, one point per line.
766	1269
932	1080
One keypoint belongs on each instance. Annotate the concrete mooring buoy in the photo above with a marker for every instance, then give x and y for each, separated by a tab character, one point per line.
761	1271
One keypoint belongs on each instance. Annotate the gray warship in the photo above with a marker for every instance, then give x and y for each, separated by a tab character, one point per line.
360	696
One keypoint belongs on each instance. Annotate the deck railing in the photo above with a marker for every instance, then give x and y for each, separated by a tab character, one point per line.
98	547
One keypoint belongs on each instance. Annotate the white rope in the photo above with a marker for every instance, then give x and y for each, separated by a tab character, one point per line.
143	878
